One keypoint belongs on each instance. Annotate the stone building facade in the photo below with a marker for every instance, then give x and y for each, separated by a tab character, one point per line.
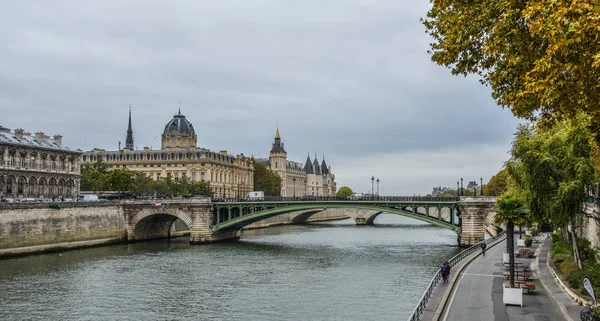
37	166
229	176
297	179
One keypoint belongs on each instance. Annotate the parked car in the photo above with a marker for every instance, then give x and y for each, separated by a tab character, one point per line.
309	198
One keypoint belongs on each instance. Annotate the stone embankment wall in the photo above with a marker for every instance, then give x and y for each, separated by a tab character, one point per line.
31	225
591	228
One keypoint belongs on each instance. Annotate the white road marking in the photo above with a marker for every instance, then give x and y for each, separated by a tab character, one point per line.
455	290
494	275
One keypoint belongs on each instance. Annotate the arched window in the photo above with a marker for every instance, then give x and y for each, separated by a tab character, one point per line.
9	186
20	186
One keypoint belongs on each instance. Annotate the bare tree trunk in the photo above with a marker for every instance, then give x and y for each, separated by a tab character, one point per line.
575	247
510	247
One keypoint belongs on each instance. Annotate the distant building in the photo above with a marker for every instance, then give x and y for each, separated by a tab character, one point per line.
439	190
37	166
179	156
297	179
472	185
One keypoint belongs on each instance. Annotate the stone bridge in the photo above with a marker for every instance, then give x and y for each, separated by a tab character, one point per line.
469	217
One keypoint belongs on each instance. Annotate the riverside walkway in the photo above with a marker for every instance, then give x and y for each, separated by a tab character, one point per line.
477	292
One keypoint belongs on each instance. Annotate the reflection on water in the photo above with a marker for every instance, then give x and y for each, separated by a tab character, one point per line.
329	271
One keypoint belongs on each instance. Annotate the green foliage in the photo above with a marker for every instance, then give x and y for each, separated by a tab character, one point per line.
266	180
540	58
97	177
533	231
497	184
550	169
344	191
562	255
510	209
54	206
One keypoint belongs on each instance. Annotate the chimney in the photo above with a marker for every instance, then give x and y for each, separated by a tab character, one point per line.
39	136
19	133
57	139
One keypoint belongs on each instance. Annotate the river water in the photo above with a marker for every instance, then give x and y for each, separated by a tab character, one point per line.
334	271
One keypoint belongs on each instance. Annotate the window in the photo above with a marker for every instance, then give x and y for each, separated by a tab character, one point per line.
193	176
22	162
52	164
203	176
151	175
43	163
32	163
11	160
157	176
176	175
275	164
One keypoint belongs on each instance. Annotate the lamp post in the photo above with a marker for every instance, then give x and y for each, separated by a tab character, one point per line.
305	192
294	179
462	192
377	188
372	186
457	189
481	186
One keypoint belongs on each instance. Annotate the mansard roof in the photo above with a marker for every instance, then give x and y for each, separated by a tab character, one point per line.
8	138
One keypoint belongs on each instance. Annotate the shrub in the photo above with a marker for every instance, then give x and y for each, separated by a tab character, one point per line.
557	236
575	280
560	257
568	268
533	231
54	206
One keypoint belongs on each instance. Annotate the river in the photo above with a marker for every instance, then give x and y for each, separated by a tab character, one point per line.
333	271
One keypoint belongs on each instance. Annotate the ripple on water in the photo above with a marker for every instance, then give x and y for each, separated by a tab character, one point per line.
310	272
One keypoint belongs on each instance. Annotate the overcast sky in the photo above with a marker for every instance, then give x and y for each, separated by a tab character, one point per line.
347	78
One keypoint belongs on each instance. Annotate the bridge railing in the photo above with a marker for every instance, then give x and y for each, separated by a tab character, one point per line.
437	277
311	198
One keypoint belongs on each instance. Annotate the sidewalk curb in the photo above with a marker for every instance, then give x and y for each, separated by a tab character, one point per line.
444	301
562	308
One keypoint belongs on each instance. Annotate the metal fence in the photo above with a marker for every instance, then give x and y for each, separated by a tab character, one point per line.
437	277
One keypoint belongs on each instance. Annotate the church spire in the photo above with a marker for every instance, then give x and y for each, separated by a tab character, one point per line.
129	139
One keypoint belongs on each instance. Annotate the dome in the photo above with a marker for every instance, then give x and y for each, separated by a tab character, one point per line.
180	125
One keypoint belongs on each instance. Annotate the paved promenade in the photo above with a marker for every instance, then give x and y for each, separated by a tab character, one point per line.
477	294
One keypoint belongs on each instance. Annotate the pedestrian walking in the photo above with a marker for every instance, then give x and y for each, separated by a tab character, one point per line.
445	271
483	246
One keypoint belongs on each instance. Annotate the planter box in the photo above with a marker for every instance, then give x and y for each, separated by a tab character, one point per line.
512	296
521	243
505	258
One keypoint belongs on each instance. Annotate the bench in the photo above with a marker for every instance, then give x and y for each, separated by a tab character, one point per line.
529	287
518	274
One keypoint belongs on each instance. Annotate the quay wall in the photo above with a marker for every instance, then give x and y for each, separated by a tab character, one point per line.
23	226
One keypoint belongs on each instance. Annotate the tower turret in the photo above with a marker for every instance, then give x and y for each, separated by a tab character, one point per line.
278	161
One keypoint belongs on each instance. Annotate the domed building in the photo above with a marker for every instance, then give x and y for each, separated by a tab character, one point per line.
179	156
179	134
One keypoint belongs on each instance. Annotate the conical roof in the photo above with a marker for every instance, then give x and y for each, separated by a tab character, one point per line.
308	166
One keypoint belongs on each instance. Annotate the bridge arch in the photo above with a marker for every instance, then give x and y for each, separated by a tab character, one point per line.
155	223
241	221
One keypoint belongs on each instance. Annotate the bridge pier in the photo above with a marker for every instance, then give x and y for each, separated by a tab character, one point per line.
473	212
200	229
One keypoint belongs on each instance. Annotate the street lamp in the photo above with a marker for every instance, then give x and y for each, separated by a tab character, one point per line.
462	193
378	188
294	179
481	186
372	186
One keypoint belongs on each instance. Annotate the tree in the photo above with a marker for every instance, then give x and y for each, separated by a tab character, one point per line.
509	211
344	191
497	184
540	58
551	169
266	180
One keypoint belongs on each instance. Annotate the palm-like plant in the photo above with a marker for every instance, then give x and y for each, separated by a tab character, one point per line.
509	211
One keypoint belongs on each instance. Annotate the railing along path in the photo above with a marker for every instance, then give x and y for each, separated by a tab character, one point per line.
436	278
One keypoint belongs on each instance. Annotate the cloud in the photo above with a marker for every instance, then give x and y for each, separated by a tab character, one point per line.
348	78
